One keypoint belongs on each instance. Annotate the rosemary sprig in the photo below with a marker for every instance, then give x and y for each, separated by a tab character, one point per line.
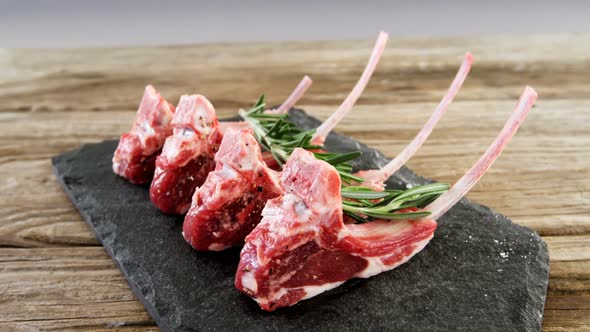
364	204
280	137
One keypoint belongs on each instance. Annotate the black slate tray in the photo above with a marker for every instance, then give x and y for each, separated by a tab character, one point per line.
479	272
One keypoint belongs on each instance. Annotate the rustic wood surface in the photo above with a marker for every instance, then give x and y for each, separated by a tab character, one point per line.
55	275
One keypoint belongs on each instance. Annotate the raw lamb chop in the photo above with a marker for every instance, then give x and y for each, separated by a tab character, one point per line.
188	154
221	217
225	207
135	157
302	248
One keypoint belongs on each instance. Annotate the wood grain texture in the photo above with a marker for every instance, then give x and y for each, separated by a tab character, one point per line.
53	273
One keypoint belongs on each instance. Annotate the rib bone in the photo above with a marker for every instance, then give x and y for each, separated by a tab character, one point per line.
294	97
323	130
461	187
375	178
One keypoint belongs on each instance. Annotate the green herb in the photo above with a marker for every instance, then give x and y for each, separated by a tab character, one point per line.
280	137
364	204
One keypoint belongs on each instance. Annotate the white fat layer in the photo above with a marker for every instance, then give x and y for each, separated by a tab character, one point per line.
311	291
322	202
376	265
274	296
290	202
249	282
228	172
392	228
302	211
170	150
184	132
293	203
147	129
342	233
249	162
145	132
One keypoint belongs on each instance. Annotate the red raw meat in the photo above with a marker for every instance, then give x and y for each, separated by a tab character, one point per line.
136	153
217	224
302	247
228	205
187	156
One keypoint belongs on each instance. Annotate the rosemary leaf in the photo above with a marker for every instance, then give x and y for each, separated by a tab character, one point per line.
338	158
363	194
280	136
400	216
391	201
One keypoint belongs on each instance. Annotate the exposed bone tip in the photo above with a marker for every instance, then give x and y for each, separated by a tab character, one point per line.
528	90
472	176
324	129
295	96
403	157
149	89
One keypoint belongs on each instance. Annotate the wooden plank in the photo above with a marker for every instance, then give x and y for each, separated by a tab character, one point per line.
64	288
53	273
233	75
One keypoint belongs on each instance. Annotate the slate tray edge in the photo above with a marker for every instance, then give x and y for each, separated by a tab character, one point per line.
134	288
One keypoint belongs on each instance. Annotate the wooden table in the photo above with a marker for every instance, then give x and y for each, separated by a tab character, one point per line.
53	272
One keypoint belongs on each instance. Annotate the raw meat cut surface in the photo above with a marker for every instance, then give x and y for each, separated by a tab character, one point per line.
228	205
187	156
136	153
223	224
302	246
